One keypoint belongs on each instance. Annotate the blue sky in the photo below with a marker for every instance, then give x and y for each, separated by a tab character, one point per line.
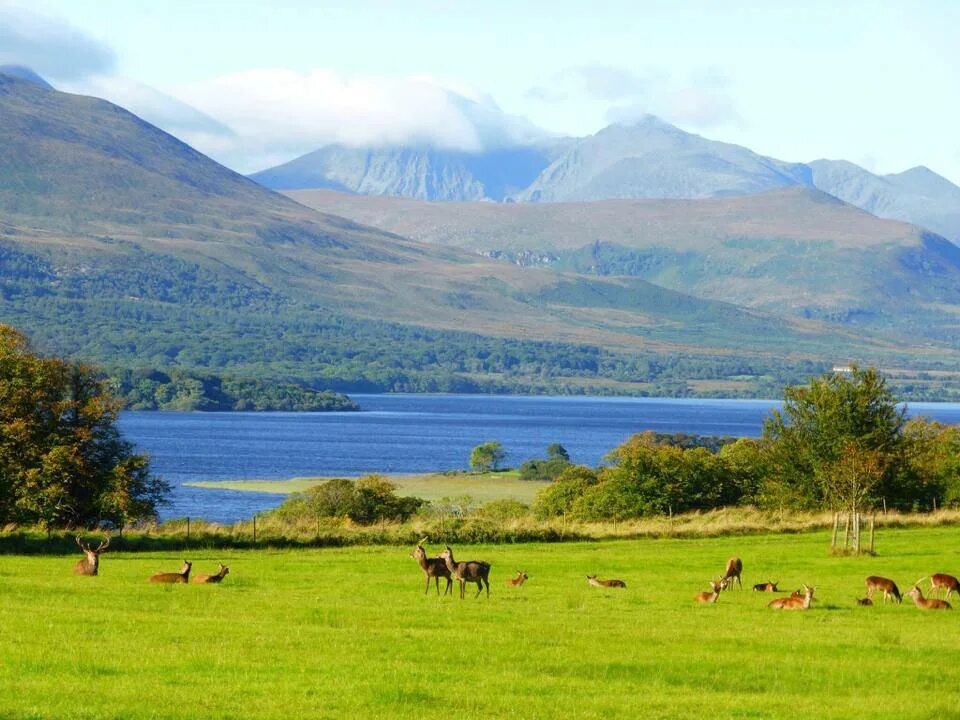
253	83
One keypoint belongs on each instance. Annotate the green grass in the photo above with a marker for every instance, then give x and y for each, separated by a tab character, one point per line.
349	633
482	487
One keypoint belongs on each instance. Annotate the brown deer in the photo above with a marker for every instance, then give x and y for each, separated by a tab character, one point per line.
178	577
207	579
794	603
519	580
592	579
926	603
710	597
942	580
767	587
472	571
434	568
734	568
864	602
887	586
90	565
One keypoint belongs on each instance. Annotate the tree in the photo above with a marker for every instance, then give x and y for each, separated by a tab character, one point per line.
487	456
62	458
556	451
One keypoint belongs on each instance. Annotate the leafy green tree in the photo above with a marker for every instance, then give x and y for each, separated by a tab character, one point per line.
487	456
556	451
558	499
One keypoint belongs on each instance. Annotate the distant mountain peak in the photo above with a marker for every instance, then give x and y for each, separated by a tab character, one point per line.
22	72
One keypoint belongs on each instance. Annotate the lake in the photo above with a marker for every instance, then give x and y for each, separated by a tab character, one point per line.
412	434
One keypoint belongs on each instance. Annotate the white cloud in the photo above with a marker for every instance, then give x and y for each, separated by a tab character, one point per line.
49	46
279	114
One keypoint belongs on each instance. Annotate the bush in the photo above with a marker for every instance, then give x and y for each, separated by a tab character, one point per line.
365	501
558	499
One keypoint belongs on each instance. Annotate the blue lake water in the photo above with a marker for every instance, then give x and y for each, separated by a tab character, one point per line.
409	434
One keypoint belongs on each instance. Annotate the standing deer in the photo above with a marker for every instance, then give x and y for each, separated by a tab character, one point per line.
885	585
592	579
794	603
90	565
710	597
519	580
178	577
926	603
942	580
434	568
473	571
734	568
207	579
767	587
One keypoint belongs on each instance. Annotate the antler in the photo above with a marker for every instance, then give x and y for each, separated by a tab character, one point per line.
85	548
423	540
104	545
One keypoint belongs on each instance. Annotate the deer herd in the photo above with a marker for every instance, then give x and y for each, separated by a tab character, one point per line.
477	572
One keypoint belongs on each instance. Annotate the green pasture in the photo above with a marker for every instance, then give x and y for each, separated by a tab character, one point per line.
482	487
348	632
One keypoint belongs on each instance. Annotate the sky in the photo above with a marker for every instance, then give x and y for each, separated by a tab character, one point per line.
257	83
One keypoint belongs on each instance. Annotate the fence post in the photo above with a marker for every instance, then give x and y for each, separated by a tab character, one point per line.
254	529
872	519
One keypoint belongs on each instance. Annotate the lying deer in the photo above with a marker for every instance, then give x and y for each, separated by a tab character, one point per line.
592	579
864	602
942	580
767	587
472	571
794	603
734	568
887	586
710	597
178	577
519	580
90	565
926	603
205	579
435	568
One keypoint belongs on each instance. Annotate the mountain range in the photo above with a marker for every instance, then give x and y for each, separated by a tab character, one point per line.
649	158
123	245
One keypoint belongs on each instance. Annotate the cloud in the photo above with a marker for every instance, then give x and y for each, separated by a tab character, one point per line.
50	46
278	114
600	82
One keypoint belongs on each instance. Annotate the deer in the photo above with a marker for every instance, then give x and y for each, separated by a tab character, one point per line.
710	597
792	602
926	603
767	587
942	580
178	577
90	565
519	580
864	602
734	568
885	585
208	579
592	580
434	568
473	571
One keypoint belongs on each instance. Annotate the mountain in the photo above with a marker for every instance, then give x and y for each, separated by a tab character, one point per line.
918	195
121	244
653	159
794	251
21	72
417	172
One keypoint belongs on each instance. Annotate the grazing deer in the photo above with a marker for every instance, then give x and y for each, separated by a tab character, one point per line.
473	571
519	580
942	580
592	579
178	577
864	602
434	568
710	597
90	565
926	603
794	603
767	587
206	579
885	585
734	568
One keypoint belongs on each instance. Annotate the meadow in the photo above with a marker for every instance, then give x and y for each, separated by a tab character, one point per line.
348	632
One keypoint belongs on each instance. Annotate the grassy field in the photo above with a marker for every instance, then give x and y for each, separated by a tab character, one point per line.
482	487
349	633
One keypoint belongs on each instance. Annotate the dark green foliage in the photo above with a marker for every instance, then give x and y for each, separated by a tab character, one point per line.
558	460
486	457
558	499
365	501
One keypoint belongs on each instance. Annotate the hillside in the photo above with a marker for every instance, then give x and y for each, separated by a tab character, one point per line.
792	251
121	244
